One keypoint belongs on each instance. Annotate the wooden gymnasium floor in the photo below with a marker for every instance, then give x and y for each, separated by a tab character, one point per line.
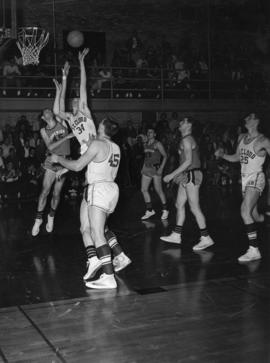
171	305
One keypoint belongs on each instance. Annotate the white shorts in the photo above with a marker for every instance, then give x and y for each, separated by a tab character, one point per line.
254	180
103	195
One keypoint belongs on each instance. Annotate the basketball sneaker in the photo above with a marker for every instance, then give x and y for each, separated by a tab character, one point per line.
252	254
105	281
205	241
120	262
148	214
50	223
165	214
36	227
93	265
172	238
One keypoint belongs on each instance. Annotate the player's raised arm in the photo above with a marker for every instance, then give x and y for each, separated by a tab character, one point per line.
65	72
83	90
56	106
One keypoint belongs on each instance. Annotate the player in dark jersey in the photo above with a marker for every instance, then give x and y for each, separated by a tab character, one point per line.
154	162
189	177
56	137
251	153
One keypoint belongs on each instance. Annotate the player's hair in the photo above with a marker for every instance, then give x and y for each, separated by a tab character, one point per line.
111	127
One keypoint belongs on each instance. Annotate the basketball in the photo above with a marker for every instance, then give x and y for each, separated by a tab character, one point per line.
75	38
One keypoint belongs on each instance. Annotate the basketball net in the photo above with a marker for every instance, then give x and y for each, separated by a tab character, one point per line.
30	42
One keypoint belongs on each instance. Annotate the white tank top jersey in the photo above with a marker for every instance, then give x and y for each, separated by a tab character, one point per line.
250	162
106	170
82	126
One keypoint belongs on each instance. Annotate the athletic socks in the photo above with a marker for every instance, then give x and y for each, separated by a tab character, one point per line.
204	232
104	254
164	206
52	212
90	251
113	243
149	206
178	229
39	214
251	231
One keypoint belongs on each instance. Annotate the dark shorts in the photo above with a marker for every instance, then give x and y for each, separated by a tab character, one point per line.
150	170
193	176
47	165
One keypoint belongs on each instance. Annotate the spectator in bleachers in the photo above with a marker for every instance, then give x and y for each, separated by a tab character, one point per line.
34	139
7	146
2	164
104	76
10	76
1	136
174	122
13	158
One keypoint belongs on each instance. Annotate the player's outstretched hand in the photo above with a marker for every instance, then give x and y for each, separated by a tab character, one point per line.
70	135
58	85
54	158
65	69
167	178
219	153
83	54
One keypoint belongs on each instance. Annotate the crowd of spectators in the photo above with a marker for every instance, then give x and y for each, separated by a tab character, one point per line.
22	152
143	68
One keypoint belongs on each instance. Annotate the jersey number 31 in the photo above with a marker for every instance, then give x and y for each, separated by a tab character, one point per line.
114	160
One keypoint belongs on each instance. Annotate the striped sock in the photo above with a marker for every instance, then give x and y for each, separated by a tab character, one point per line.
251	232
149	206
113	243
204	232
52	212
104	254
178	229
90	251
39	214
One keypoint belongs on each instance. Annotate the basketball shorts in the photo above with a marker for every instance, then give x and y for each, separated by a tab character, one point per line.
47	165
254	180
193	176
150	170
103	195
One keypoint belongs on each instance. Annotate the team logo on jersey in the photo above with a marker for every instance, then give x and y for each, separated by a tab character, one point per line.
57	135
245	155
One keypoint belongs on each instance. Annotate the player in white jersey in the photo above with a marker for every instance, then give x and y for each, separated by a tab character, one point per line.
251	152
83	127
80	119
102	158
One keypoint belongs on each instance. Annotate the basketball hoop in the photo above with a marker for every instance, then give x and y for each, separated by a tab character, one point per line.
30	42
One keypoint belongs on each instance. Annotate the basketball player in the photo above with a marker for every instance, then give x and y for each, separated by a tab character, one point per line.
102	159
56	137
152	171
84	131
251	152
189	177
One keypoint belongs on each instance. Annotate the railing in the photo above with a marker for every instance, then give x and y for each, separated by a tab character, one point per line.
132	83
